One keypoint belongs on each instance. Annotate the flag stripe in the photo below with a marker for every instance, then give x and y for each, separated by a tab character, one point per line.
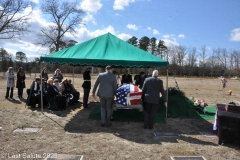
128	94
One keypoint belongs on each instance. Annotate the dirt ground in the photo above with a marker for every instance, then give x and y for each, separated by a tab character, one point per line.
123	141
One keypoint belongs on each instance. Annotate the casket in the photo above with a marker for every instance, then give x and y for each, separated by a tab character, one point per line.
129	97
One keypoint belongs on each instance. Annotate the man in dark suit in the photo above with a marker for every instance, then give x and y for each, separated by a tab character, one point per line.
86	86
126	78
150	92
142	78
107	89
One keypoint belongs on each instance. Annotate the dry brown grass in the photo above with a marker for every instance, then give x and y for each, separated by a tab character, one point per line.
123	140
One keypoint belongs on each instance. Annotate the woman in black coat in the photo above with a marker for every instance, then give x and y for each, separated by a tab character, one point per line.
44	74
20	82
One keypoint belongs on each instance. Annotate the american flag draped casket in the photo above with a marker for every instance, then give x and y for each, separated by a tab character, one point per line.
128	94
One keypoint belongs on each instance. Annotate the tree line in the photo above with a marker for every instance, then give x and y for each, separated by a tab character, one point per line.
192	61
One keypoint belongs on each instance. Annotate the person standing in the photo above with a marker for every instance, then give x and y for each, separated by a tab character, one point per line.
20	82
126	78
86	86
224	81
58	75
150	92
107	89
10	82
142	79
44	74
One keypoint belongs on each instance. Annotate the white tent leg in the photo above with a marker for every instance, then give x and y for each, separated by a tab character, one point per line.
73	75
167	93
41	89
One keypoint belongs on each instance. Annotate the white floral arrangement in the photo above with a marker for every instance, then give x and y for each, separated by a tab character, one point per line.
201	104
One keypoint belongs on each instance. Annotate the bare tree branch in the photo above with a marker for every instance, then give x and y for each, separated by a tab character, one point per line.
65	16
13	22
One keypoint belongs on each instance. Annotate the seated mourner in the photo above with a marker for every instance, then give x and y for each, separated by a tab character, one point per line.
35	93
54	97
57	84
67	91
75	93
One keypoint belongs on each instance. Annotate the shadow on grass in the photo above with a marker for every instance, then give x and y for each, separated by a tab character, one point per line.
60	113
14	101
132	131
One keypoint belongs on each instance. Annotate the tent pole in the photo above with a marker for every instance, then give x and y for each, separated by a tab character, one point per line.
167	93
92	70
73	75
41	89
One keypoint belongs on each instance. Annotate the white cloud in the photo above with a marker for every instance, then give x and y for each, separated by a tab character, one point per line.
120	4
156	32
89	18
25	46
38	21
132	26
34	1
11	51
235	34
166	36
170	40
26	41
91	5
124	36
170	43
83	34
181	36
117	14
149	28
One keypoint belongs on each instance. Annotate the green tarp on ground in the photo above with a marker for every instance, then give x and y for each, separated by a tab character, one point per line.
182	107
105	50
179	107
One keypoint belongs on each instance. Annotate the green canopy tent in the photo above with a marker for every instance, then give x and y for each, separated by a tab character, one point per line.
105	50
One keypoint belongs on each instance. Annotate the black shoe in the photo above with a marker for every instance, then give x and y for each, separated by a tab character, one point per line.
145	127
109	125
103	124
151	127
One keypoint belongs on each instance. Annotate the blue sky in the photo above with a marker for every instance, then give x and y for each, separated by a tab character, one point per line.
191	23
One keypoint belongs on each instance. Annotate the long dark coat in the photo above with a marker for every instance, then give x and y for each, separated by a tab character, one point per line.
21	81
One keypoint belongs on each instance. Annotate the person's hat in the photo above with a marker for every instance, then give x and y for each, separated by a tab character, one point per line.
108	67
10	68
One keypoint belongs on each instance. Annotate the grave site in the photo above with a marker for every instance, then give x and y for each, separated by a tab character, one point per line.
119	80
185	131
